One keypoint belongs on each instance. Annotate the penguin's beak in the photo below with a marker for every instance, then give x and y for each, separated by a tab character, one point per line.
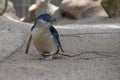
52	20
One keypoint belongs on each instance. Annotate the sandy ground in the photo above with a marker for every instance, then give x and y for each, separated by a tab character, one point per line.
95	41
89	66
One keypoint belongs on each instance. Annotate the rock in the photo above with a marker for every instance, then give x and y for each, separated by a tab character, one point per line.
10	7
111	7
97	41
80	8
6	6
58	14
40	7
45	7
56	2
12	36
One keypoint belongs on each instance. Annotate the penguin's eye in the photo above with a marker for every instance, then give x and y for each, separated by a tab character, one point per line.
41	21
44	19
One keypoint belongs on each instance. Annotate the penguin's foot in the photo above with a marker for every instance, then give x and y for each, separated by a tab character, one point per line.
46	57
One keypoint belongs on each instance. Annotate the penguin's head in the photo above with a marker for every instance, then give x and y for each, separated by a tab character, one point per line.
44	19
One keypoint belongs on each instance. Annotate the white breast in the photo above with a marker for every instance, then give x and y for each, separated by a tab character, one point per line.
44	41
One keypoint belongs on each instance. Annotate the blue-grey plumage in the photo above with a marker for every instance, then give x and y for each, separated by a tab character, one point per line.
45	37
56	36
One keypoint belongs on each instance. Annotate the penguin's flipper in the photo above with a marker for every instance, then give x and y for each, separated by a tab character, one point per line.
28	44
56	36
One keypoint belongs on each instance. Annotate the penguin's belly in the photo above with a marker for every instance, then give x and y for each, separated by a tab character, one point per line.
44	42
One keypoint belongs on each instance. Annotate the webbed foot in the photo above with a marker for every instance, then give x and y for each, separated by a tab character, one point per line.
46	57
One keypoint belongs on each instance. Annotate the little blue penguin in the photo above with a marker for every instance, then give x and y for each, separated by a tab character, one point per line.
45	37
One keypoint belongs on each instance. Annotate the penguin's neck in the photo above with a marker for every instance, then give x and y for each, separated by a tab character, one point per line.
42	28
41	32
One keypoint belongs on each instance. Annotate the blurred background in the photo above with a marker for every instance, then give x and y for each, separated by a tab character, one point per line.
28	10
